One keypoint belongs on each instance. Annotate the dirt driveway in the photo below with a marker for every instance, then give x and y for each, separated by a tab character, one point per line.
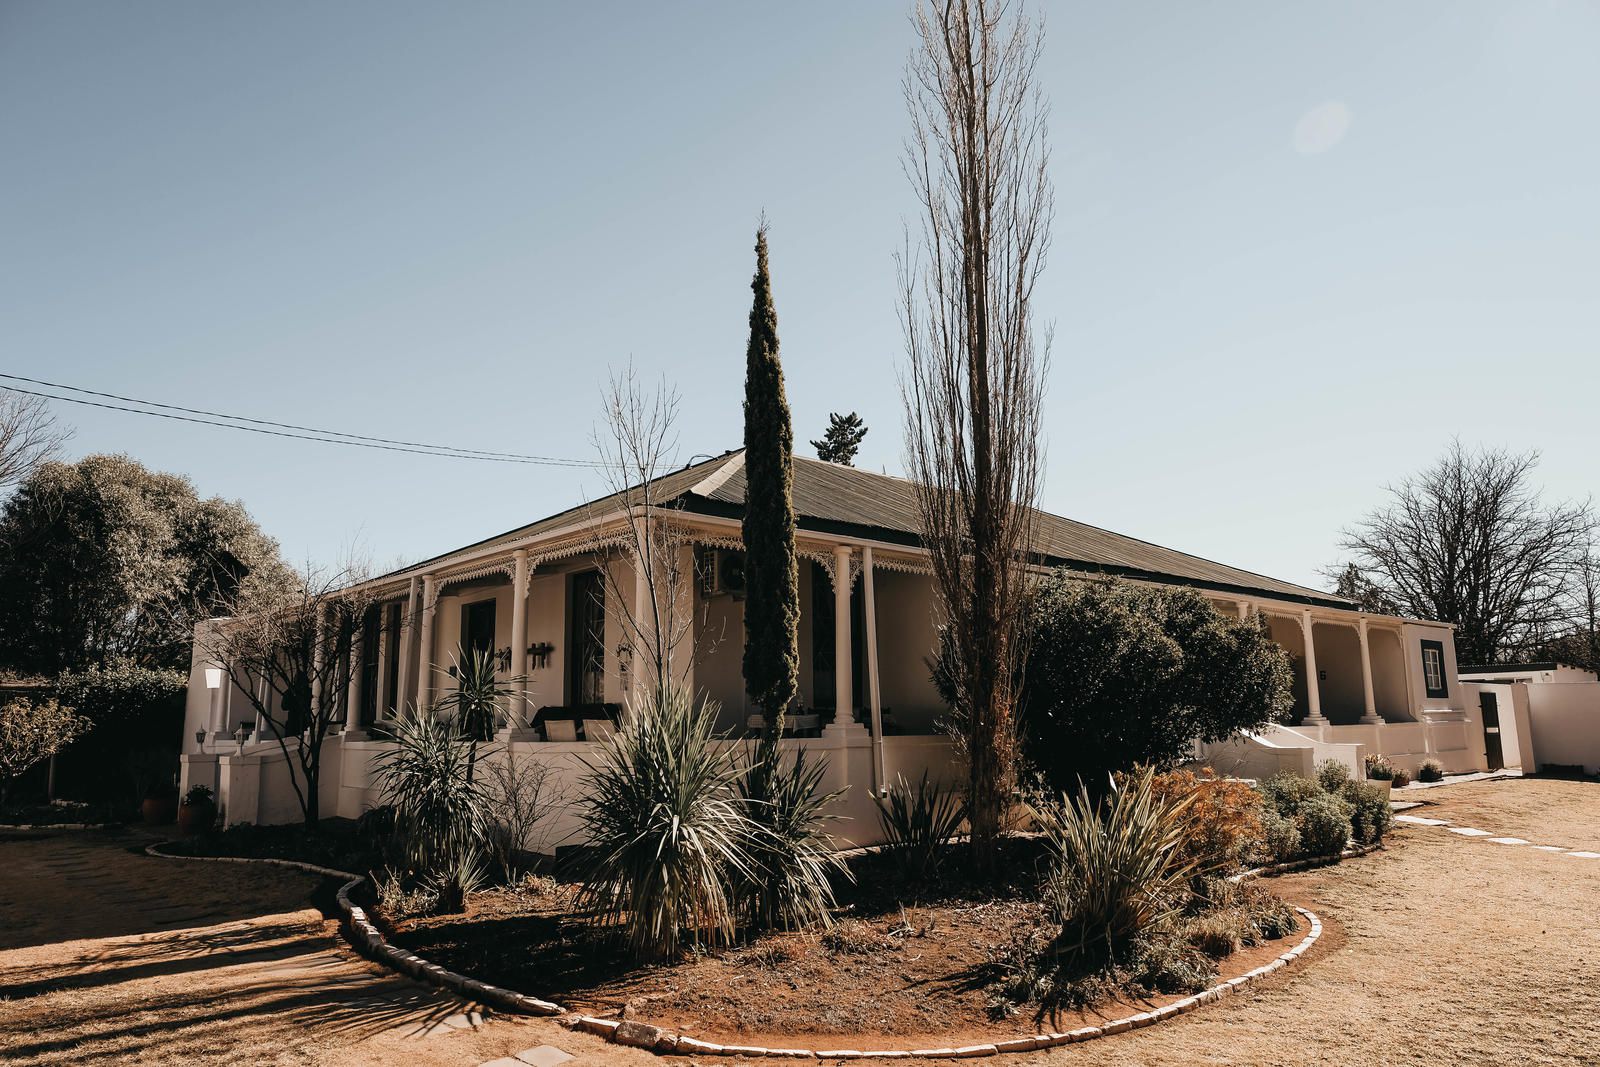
1440	949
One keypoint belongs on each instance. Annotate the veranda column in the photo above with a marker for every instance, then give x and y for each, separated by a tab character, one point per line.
843	690
408	622
425	645
1244	611
319	635
517	716
217	713
1370	716
1313	695
869	597
383	698
645	660
352	697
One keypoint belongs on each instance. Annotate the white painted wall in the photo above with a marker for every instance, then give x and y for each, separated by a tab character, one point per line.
1565	723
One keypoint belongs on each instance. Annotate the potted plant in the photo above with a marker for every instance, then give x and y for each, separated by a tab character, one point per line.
1380	773
198	811
160	803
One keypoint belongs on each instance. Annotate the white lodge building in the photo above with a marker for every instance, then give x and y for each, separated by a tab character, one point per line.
1362	682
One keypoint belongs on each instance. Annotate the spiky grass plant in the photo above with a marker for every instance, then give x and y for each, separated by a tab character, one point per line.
917	821
1120	868
791	883
668	832
440	814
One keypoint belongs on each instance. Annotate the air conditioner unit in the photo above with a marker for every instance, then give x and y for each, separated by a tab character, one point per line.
724	573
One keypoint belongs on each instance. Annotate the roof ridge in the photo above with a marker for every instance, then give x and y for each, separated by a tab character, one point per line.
715	480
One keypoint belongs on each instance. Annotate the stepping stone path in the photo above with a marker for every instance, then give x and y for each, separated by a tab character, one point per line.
1468	831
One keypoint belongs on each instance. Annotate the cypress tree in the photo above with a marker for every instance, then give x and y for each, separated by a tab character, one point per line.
772	597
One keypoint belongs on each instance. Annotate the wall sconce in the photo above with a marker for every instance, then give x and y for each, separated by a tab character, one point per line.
540	654
240	733
624	658
200	737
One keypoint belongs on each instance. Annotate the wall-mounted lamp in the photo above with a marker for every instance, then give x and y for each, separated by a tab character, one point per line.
624	658
200	737
540	654
239	734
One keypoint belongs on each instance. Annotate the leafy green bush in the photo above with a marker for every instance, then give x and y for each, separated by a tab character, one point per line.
31	732
1332	775
788	884
1431	770
1124	675
1286	791
1169	964
440	812
1379	769
917	821
1119	867
1402	778
1324	825
1370	814
1280	837
669	834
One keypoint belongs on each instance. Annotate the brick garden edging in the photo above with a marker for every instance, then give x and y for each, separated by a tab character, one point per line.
366	938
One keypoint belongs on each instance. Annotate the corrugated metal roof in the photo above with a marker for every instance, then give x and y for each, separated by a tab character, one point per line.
834	498
830	498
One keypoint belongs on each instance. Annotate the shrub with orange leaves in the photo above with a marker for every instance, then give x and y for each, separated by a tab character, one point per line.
1224	819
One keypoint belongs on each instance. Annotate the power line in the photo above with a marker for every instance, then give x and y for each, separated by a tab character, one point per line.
310	433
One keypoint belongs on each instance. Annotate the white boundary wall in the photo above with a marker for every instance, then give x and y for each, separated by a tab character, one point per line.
255	786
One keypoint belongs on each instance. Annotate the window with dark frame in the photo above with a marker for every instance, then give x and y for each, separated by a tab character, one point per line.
1433	678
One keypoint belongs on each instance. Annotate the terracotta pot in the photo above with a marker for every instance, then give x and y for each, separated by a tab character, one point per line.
1383	787
196	818
158	811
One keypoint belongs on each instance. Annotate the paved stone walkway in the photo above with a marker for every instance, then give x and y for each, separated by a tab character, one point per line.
111	956
1488	835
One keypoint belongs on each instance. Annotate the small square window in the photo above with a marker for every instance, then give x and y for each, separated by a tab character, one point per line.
1433	668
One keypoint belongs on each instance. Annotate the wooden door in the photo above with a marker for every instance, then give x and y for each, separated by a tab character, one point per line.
1490	704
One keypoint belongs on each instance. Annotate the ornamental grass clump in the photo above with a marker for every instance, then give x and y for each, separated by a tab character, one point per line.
1431	770
789	883
917	822
440	814
1119	866
669	835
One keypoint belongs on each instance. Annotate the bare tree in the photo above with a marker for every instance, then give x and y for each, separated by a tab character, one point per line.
1578	643
638	444
29	435
1469	541
978	159
287	649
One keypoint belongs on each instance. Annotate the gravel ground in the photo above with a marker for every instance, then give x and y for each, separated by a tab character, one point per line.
1440	949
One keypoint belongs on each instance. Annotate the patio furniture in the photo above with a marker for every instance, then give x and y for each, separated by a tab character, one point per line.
577	722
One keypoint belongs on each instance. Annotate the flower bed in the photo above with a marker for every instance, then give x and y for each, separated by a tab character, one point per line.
934	969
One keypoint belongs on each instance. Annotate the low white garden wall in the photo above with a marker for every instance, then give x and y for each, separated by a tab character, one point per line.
254	786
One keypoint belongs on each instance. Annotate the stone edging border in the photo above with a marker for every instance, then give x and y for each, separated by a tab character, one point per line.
366	937
29	826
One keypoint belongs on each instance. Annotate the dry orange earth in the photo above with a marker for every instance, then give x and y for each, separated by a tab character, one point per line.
1441	949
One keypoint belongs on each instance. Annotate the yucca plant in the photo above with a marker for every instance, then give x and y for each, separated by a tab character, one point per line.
1119	866
440	814
790	882
917	821
669	836
475	702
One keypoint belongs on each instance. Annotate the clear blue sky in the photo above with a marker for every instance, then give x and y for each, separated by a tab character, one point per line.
1298	247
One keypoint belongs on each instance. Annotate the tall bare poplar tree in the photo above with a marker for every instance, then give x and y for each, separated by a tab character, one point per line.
978	159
